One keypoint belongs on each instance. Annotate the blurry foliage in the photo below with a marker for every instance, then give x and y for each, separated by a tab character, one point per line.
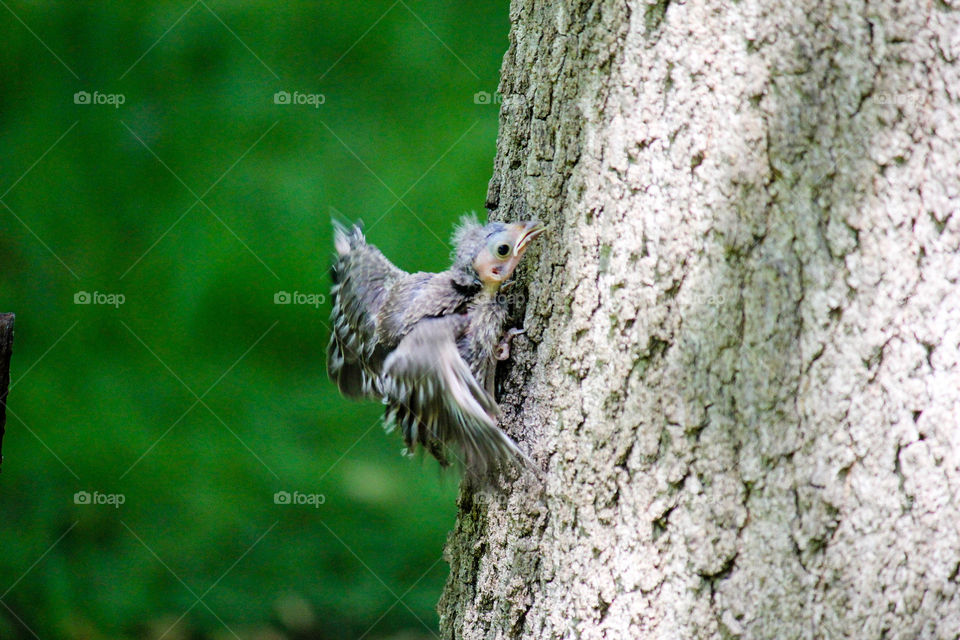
113	392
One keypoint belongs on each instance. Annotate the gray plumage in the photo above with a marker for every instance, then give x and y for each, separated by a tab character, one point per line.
427	344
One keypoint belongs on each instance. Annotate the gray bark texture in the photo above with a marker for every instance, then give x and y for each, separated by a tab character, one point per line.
742	368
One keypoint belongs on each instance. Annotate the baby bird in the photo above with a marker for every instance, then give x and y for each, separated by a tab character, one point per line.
427	344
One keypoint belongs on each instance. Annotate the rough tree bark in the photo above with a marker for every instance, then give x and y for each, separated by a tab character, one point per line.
741	372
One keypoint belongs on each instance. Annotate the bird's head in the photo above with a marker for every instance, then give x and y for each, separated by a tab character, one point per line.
490	253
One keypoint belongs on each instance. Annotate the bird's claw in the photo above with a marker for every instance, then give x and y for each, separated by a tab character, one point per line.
503	348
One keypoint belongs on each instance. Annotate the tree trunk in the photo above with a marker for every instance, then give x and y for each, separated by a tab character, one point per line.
741	373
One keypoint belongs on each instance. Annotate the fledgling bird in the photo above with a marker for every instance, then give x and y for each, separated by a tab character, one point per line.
427	344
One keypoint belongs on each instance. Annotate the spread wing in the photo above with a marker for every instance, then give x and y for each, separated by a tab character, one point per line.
435	398
362	277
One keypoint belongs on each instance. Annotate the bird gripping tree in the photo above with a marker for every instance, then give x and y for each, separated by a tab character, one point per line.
427	344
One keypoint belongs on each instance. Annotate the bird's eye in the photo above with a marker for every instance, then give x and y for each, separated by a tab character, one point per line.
503	250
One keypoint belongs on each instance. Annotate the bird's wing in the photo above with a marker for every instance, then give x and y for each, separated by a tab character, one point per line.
435	398
417	296
362	277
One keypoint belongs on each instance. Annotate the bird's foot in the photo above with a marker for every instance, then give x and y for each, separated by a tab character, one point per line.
503	348
506	286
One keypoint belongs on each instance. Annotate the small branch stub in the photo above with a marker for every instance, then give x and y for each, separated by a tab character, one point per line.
6	351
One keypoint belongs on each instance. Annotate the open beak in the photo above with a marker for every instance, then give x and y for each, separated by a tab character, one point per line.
530	230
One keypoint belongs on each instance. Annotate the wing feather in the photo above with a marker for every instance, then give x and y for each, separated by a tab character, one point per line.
435	398
362	277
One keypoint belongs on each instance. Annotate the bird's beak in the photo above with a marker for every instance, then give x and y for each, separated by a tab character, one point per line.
529	230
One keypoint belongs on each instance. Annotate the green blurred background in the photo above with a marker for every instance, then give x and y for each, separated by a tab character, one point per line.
199	398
